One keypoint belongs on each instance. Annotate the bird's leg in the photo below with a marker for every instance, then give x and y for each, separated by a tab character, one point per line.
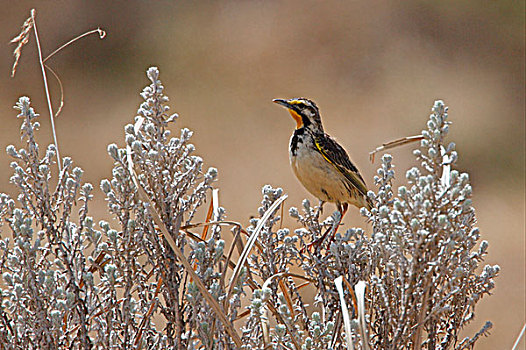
342	208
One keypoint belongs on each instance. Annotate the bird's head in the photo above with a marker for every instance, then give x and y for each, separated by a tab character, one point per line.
304	111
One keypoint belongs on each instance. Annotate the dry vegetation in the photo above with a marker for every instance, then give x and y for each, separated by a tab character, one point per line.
161	278
169	271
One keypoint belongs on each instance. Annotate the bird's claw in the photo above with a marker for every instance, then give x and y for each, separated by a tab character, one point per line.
316	244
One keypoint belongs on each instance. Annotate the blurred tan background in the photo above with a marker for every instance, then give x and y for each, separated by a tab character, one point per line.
373	67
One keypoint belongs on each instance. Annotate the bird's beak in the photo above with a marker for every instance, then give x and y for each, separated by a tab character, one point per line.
282	102
290	107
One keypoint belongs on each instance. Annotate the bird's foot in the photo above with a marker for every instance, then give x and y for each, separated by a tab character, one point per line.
317	244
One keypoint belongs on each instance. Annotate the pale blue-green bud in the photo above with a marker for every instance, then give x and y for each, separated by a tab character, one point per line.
78	172
66	162
128	128
11	151
212	172
113	151
130	138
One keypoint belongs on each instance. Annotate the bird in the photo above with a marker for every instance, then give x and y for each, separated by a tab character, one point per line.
320	163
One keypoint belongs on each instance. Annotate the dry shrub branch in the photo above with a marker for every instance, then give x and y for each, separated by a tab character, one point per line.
155	279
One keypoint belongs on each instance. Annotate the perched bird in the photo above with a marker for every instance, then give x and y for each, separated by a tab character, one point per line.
319	162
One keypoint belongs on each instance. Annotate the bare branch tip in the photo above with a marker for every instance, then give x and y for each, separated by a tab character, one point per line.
102	33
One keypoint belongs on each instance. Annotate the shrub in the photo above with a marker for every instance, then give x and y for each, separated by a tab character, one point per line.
150	280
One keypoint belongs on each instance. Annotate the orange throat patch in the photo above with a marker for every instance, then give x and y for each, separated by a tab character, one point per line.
297	118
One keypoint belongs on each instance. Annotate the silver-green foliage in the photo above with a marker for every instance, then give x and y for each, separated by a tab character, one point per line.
422	263
71	283
47	290
425	279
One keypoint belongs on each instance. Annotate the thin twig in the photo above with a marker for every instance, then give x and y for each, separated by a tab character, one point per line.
46	88
393	144
417	334
228	257
208	218
138	335
353	295
281	275
521	334
102	35
61	90
250	243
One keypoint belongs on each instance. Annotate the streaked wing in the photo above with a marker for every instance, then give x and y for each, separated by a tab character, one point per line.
336	155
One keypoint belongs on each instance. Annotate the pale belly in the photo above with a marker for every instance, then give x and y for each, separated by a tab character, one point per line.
319	177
